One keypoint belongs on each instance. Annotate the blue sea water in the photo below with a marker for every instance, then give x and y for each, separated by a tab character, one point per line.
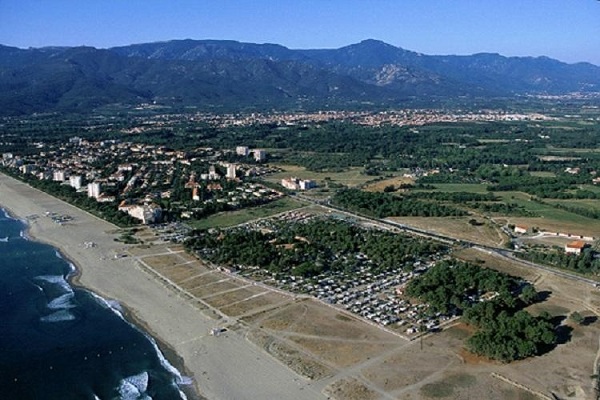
63	342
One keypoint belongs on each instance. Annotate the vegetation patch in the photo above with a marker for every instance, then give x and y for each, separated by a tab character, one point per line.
486	300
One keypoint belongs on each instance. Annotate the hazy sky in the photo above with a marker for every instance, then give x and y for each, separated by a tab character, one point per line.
568	30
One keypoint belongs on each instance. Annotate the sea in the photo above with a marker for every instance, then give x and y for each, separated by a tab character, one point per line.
59	341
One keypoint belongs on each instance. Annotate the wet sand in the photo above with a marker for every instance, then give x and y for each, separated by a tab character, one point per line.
223	367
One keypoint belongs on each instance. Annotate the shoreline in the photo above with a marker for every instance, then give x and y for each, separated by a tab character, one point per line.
226	367
73	278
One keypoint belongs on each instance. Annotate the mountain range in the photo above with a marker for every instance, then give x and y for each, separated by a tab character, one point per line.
230	75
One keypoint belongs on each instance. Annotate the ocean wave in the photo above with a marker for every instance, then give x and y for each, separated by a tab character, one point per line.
112	305
62	302
58	316
178	378
134	387
57	280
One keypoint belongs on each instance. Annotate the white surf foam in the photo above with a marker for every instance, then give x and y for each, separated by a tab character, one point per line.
114	305
57	280
134	387
58	316
62	302
179	380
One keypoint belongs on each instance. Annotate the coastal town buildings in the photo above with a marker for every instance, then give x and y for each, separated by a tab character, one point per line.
75	181
93	190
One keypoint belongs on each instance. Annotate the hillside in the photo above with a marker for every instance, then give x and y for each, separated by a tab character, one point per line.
229	75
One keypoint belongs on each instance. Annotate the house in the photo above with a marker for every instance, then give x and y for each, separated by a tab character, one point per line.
575	247
520	229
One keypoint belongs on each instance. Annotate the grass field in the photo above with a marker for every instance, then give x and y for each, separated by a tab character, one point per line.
461	187
590	204
549	217
543	174
232	218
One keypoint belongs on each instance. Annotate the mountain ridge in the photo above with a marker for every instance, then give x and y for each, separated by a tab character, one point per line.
227	74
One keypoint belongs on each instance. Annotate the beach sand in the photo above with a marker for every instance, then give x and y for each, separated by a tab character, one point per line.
223	367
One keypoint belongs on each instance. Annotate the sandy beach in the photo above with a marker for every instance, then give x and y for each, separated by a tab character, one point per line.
223	367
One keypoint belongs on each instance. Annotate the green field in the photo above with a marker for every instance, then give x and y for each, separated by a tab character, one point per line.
590	204
543	174
232	218
550	218
461	187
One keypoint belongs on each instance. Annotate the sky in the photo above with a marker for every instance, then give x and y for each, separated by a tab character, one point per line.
568	30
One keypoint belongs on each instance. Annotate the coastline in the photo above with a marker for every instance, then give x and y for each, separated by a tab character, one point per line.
174	359
220	368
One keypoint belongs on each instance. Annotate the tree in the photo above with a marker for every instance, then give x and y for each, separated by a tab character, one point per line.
529	294
576	317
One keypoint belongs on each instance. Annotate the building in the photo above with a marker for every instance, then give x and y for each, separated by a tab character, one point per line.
298	184
75	181
306	184
27	169
231	168
260	155
147	214
105	199
58	176
93	190
242	151
212	173
520	229
575	247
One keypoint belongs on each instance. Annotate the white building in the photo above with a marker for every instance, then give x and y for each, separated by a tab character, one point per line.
259	155
58	176
231	168
306	184
242	151
148	213
93	190
75	181
298	184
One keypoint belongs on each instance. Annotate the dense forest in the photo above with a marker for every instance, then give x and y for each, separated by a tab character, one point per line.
311	248
382	205
505	332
